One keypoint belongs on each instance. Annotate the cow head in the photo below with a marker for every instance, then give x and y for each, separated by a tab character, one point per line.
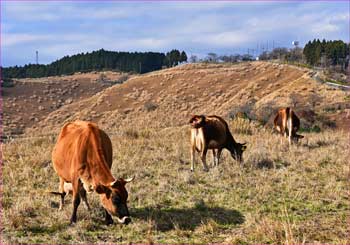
114	198
296	137
237	150
197	121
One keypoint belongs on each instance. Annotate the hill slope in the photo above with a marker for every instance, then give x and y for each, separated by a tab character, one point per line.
31	100
168	97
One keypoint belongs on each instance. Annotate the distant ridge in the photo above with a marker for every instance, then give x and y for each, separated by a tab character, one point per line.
136	62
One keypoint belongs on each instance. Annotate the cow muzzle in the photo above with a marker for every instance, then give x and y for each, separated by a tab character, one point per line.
125	220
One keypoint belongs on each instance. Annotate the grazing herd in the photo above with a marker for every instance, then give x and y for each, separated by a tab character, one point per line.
82	158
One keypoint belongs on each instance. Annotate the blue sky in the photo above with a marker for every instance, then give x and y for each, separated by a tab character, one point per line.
57	29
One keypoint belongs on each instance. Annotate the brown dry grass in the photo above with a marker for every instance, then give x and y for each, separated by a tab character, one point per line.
281	195
32	99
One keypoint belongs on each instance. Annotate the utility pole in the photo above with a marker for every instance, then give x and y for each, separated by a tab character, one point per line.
267	46
37	57
140	66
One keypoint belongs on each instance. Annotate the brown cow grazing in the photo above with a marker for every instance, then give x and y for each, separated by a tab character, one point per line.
212	132
287	124
83	157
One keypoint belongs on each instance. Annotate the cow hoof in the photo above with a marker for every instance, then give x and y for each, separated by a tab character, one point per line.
109	222
205	169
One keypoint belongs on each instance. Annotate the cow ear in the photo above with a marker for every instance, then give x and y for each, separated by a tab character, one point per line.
101	189
116	183
193	118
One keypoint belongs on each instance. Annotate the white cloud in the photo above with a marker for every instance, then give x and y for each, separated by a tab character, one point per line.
9	39
30	11
58	29
223	39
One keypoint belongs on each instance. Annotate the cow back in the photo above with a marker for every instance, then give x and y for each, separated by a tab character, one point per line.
79	148
216	131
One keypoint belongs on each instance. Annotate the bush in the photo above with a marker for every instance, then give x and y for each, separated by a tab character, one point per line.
7	83
121	79
150	106
243	111
131	133
241	126
265	114
310	129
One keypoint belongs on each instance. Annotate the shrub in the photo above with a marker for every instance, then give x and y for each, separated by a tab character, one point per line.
150	106
7	83
265	114
242	111
121	79
241	126
310	129
131	133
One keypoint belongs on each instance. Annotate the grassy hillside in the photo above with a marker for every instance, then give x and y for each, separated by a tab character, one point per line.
32	100
280	195
259	88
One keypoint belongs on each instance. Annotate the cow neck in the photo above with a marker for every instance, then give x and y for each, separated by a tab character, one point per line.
101	173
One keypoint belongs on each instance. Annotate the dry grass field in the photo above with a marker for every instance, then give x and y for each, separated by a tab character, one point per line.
290	195
297	194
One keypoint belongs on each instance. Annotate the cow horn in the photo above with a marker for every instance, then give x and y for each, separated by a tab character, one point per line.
114	183
122	220
129	179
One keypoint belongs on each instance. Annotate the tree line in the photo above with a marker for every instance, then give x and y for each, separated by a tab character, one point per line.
333	53
327	53
136	62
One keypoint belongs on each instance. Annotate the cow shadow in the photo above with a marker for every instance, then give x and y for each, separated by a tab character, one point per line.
166	219
317	144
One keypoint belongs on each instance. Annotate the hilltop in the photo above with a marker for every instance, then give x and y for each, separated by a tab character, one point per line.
168	97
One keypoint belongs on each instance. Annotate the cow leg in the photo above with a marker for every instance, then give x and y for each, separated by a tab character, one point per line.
108	218
76	200
214	157
193	152
63	194
284	135
84	197
218	154
204	161
290	136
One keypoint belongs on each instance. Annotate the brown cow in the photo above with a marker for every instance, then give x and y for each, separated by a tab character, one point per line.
287	124
212	132
83	157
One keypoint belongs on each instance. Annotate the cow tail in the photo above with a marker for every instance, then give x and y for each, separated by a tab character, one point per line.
289	123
